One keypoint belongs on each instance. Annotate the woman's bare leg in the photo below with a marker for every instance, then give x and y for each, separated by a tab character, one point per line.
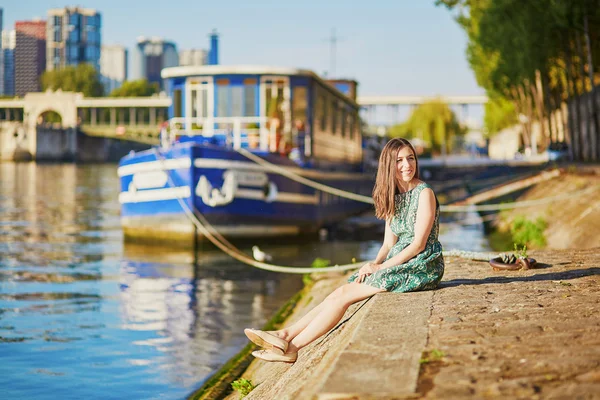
292	331
327	314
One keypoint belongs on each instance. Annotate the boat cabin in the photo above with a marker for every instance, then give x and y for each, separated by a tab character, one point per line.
291	112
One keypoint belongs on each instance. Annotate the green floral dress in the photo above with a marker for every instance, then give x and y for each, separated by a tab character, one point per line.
425	270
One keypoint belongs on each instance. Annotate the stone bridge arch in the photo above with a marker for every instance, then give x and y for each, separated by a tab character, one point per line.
62	103
47	143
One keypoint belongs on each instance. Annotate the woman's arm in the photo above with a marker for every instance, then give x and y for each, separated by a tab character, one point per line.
423	224
389	240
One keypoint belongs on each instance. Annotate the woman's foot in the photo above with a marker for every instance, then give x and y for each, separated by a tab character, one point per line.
268	340
267	355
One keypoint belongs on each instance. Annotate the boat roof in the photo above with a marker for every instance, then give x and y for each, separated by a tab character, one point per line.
193	70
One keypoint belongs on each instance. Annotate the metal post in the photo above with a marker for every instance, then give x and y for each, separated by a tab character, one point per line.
113	116
94	117
132	116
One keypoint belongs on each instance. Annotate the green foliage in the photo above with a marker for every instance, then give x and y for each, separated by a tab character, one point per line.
432	356
317	263
137	88
51	117
434	122
526	232
320	263
499	114
522	252
517	47
243	387
82	78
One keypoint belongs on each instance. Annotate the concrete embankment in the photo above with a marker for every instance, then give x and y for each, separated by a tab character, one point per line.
482	334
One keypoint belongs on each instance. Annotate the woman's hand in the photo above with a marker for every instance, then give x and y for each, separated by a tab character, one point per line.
366	270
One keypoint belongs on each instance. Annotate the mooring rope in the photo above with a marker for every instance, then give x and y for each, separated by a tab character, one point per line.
227	247
443	208
300	179
207	230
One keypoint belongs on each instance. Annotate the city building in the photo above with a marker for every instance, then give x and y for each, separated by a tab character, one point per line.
213	52
113	67
8	54
150	56
192	57
30	55
73	37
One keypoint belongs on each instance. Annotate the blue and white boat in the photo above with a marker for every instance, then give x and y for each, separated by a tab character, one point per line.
298	124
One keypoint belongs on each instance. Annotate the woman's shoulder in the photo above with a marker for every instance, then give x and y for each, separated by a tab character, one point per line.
426	194
422	185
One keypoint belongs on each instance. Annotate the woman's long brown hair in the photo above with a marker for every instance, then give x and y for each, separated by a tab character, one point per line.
385	184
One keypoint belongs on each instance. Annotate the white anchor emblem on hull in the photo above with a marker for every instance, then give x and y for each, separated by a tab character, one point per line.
232	179
217	197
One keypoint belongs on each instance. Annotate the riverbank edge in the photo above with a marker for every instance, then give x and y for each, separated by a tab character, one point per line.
574	178
219	384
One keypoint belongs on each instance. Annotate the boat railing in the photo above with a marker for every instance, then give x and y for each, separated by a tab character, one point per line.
237	132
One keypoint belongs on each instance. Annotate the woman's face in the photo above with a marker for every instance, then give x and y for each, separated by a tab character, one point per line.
406	164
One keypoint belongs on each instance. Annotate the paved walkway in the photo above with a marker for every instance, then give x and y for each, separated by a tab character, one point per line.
483	334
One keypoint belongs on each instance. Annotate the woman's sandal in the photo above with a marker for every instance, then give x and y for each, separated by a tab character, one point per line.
273	357
274	344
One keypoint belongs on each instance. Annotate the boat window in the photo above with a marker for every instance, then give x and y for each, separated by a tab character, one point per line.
204	94
249	98
237	101
343	117
222	100
299	105
177	103
334	116
322	111
194	103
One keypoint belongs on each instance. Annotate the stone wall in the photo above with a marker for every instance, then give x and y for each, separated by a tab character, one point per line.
45	143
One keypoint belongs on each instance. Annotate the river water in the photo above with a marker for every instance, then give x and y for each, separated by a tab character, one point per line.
82	314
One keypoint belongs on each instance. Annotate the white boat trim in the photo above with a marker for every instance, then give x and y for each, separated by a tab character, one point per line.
282	197
208	70
141	196
184	192
174	163
216	163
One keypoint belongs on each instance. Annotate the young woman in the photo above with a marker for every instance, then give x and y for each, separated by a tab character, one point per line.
410	258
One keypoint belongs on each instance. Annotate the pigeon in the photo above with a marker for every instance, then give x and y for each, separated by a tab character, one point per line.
260	255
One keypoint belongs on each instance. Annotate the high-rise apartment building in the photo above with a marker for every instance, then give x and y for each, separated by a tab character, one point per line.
150	56
30	55
8	53
113	67
73	37
192	57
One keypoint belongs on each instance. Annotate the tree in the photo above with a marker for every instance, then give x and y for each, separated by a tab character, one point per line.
539	55
433	122
137	88
82	78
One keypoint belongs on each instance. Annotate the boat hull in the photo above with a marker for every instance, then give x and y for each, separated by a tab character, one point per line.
239	198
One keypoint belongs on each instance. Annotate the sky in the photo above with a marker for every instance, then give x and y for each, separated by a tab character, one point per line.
391	47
